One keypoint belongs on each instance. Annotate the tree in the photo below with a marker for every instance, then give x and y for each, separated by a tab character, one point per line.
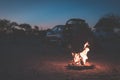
25	27
36	28
108	22
13	24
4	25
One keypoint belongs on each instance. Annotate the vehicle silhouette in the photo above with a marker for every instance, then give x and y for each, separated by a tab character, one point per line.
74	34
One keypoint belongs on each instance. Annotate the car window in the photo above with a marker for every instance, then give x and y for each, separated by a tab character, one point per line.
59	28
74	22
54	29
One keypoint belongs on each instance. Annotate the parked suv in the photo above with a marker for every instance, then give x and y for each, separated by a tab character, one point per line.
73	32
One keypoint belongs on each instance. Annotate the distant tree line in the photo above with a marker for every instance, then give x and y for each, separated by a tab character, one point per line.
14	30
10	29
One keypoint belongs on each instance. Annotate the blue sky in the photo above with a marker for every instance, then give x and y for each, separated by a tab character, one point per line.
48	13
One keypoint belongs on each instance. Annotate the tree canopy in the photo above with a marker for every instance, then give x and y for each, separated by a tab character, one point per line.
108	22
4	24
25	27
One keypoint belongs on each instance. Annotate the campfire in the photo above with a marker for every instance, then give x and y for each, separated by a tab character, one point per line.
80	59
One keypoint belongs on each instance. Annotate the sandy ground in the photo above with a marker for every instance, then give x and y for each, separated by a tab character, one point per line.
38	61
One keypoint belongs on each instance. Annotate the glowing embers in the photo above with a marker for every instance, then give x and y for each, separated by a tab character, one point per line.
79	59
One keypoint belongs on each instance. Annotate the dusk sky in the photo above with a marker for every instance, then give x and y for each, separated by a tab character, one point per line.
48	13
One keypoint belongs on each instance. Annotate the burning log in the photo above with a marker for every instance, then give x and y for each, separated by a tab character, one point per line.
79	67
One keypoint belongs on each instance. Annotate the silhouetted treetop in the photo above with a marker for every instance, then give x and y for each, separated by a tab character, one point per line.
4	24
25	26
109	21
36	28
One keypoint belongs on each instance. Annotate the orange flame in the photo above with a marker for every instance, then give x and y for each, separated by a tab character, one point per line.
80	58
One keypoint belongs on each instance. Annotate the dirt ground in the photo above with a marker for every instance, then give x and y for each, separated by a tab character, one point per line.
36	60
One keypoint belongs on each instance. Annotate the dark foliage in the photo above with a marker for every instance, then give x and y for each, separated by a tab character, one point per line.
108	22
